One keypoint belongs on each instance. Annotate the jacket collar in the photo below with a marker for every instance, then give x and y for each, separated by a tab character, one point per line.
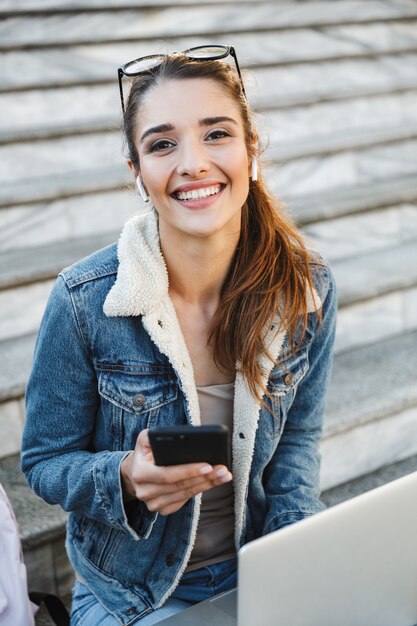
142	278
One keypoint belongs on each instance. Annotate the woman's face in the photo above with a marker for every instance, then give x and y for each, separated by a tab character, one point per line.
193	158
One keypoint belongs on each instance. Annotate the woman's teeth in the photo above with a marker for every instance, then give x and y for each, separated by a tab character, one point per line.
196	194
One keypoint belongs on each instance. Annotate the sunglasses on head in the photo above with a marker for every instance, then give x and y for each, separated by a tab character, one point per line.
198	53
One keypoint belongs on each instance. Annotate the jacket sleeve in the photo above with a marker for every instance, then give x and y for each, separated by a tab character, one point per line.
62	399
292	477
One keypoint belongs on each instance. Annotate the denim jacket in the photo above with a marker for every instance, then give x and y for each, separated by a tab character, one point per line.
110	360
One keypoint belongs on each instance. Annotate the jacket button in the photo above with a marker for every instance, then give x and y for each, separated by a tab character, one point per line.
241	435
131	610
170	560
138	399
288	378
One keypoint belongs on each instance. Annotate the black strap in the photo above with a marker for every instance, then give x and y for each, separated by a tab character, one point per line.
56	608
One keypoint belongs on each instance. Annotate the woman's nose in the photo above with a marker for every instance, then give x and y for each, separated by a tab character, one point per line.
192	159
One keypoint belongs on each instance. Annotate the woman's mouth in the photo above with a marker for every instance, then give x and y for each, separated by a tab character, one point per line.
198	194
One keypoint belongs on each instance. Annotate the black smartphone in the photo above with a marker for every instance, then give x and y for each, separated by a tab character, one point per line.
175	445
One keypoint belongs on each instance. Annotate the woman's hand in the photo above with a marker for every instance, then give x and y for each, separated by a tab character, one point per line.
166	489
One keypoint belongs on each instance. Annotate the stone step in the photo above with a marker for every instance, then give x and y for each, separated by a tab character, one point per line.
355	244
292	13
97	62
32	225
174	21
365	483
346	200
42	526
371	415
34	7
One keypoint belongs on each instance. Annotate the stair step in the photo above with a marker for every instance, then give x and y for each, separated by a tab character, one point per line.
376	273
371	415
174	21
365	483
363	233
33	225
350	200
97	62
292	13
16	357
367	239
31	265
353	169
9	7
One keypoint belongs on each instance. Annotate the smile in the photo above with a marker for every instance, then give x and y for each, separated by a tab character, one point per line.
196	194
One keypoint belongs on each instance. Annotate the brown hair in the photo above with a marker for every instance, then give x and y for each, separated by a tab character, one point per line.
270	272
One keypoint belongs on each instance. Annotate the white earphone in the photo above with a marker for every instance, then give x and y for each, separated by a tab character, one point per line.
141	189
254	165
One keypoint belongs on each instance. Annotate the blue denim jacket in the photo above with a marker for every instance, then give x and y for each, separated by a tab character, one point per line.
110	360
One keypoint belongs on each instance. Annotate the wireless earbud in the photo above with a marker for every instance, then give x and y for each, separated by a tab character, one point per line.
254	169
141	189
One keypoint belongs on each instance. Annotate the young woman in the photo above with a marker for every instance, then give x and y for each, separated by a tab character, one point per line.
210	310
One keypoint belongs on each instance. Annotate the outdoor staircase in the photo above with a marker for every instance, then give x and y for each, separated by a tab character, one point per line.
335	85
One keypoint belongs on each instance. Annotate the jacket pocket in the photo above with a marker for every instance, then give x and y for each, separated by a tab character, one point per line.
132	401
283	383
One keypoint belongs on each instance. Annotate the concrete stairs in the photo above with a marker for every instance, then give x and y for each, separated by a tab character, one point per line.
335	87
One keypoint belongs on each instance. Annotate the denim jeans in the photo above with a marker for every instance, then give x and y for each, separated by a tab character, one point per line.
194	587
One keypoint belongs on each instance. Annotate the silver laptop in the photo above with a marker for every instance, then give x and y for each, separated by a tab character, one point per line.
352	565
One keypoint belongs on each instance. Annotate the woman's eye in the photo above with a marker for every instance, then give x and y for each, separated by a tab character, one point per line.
160	145
218	134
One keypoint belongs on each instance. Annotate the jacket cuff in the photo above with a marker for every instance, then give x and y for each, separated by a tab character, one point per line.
132	517
290	517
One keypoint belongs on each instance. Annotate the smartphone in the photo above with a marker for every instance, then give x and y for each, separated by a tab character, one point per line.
175	445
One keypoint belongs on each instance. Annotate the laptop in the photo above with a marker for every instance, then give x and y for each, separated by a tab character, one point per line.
354	564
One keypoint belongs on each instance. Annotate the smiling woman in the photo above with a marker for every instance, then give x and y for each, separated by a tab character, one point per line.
210	310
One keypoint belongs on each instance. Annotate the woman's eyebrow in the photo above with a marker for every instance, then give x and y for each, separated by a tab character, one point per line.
210	121
161	128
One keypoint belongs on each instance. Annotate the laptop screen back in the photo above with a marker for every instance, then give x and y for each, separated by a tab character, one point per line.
352	565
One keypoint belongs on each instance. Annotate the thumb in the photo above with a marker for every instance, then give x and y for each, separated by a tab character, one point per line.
143	446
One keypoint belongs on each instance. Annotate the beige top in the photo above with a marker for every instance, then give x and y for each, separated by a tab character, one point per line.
215	531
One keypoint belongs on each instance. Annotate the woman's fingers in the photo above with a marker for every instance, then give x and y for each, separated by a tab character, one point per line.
172	501
185	488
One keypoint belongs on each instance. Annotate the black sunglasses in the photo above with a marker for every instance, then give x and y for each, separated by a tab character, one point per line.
198	53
